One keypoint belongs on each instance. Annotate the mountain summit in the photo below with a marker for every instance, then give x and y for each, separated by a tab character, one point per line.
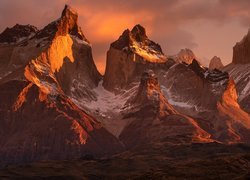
40	76
215	63
152	119
129	56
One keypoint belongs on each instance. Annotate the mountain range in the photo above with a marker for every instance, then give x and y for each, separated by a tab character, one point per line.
55	105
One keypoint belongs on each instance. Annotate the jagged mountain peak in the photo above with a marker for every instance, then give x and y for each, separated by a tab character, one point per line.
17	33
66	24
215	63
69	11
136	41
129	56
149	98
213	76
59	55
149	109
184	55
139	33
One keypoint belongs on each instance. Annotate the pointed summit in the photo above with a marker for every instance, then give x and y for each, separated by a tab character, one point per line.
215	63
139	33
129	56
67	24
153	119
69	11
135	39
149	97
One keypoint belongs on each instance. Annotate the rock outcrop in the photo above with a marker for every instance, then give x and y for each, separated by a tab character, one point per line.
39	126
241	51
152	119
39	78
215	63
212	76
239	71
62	48
17	33
130	56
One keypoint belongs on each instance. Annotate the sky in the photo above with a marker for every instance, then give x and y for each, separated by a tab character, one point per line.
208	27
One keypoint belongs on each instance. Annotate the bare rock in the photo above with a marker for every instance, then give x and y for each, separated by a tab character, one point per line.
215	63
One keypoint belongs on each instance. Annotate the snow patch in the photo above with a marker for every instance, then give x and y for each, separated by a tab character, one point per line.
80	41
148	53
106	101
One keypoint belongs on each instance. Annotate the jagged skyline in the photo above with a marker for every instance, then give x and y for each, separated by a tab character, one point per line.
208	28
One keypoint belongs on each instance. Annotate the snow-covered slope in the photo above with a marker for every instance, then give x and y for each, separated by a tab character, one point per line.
241	75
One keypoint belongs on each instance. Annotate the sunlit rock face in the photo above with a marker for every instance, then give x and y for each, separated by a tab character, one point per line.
241	51
39	76
38	126
215	63
240	73
130	56
236	126
62	47
153	120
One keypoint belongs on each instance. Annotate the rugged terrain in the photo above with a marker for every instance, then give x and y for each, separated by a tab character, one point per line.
151	115
39	120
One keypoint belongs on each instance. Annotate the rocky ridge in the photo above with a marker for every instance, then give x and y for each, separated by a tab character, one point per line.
41	121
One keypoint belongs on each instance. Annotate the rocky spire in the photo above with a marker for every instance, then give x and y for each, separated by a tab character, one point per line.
149	95
129	56
139	33
67	24
136	35
215	63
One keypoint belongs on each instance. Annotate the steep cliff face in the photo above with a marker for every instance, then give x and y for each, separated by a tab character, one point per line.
152	119
63	47
37	125
210	98
241	51
193	88
239	71
215	63
130	56
237	121
39	78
